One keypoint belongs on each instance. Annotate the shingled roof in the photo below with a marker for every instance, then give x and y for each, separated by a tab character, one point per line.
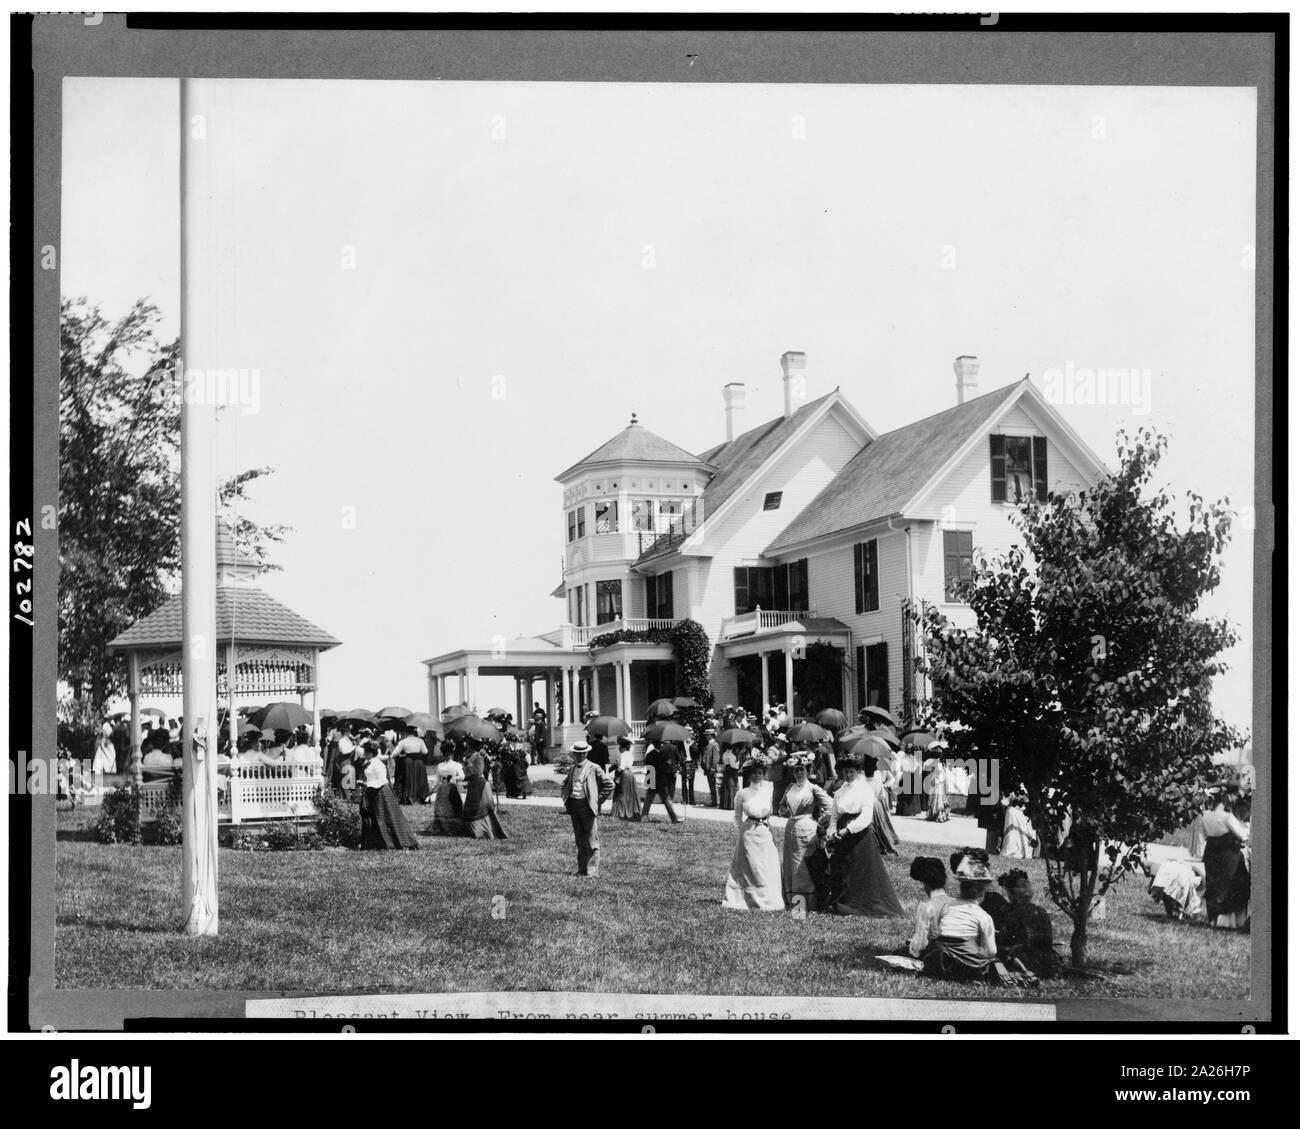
635	444
888	473
246	613
736	461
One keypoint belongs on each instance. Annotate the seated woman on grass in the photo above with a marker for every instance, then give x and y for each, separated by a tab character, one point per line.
965	947
1025	931
930	874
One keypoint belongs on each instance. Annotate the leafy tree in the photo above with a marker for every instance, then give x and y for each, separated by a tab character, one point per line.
119	488
1088	673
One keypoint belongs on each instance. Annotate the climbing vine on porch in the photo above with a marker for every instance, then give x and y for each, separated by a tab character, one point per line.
691	651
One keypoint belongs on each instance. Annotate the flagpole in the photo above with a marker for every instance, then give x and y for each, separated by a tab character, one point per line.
198	278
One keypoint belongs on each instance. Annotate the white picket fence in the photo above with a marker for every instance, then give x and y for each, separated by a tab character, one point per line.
282	791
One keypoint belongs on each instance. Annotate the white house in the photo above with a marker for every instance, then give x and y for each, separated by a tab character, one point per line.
810	530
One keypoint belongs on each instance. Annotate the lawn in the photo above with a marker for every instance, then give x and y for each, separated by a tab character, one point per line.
348	921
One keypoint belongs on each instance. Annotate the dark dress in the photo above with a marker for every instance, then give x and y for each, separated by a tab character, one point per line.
1227	879
627	801
480	810
1025	932
518	785
883	827
413	779
447	811
383	826
857	879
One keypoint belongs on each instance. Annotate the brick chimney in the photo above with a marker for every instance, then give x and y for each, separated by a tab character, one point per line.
796	388
968	377
733	399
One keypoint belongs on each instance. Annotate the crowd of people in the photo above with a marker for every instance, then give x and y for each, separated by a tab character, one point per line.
1209	884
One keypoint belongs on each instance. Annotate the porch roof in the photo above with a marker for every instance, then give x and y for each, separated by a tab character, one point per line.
814	629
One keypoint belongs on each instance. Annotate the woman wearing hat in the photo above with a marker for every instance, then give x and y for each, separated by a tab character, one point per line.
383	826
754	881
966	946
480	810
447	805
802	806
627	801
1025	931
859	883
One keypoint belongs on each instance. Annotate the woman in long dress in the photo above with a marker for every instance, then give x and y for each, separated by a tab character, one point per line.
730	775
448	808
383	826
882	825
1227	877
480	810
754	881
802	806
413	773
627	802
858	881
936	774
1018	840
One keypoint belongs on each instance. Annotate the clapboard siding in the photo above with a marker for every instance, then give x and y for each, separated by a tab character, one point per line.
831	579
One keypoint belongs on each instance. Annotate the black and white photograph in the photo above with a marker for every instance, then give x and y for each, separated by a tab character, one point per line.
725	545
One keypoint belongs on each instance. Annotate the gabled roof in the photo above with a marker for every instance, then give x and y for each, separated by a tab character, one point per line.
248	614
736	462
888	473
635	444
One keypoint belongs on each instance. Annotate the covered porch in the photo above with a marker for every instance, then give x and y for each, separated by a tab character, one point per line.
803	661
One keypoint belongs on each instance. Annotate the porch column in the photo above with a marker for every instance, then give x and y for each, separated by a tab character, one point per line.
471	687
460	686
595	688
789	682
618	691
133	693
433	693
315	702
846	683
550	706
767	693
627	690
566	711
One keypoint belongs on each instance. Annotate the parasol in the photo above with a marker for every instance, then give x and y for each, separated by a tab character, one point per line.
666	731
807	731
834	720
281	715
605	727
659	709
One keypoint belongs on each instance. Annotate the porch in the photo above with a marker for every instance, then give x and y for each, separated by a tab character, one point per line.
812	669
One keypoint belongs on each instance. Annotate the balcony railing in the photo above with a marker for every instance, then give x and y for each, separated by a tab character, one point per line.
752	623
582	636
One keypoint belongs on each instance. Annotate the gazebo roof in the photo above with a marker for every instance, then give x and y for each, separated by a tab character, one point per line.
245	613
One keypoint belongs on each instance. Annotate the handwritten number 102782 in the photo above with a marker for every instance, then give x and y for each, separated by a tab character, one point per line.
24	550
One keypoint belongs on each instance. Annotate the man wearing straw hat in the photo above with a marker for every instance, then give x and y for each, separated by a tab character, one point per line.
585	788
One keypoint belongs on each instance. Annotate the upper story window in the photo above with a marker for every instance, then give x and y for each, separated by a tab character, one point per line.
1018	467
659	596
781	588
957	553
577	523
866	577
643	515
772	501
577	610
607	516
609	600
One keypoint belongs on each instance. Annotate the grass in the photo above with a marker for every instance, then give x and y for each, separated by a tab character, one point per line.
348	921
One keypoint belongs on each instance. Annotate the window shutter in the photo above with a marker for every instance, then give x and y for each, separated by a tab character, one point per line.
857	580
878	674
1040	467
666	601
742	590
862	676
998	466
873	578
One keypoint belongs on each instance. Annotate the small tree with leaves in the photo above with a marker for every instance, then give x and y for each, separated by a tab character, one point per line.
1088	674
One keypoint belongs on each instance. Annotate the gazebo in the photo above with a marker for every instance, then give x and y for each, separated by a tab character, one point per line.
263	648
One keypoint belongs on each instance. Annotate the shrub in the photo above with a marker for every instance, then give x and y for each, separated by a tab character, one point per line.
77	727
243	839
119	816
286	835
339	822
169	827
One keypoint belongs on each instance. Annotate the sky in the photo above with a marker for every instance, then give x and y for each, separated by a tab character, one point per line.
453	291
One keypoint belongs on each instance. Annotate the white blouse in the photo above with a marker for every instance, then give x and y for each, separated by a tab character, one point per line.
856	799
754	802
928	911
626	761
376	773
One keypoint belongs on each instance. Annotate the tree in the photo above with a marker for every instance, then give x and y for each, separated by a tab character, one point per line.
1087	676
119	488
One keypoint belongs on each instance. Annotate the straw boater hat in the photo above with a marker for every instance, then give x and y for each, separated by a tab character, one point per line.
579	747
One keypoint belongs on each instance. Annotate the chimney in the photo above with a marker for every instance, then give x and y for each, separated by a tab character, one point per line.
792	366
733	399
968	377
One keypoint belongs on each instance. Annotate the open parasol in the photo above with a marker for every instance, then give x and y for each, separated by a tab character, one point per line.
660	709
666	731
605	726
281	715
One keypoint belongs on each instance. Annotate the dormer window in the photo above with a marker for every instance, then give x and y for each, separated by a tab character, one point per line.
772	501
1018	467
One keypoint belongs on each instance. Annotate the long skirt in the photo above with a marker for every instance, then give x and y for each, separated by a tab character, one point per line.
480	813
447	810
627	801
754	881
486	827
1227	881
517	783
383	826
413	780
937	808
953	958
883	826
799	844
1017	834
727	790
859	883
